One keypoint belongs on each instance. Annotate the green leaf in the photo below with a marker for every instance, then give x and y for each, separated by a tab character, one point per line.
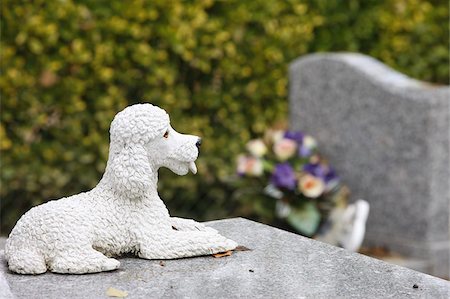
305	218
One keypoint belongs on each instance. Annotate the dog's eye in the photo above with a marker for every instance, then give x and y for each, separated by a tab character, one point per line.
166	135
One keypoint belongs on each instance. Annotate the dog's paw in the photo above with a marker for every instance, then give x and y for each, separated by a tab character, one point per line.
230	244
223	244
110	264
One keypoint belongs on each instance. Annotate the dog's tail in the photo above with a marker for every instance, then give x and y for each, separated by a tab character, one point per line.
24	260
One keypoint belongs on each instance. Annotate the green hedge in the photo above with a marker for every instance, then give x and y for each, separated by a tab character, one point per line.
218	67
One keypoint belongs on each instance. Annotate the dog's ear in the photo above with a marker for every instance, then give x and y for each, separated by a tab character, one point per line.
130	171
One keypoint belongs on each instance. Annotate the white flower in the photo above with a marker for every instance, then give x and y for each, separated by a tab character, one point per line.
277	136
256	147
311	186
250	166
309	142
285	148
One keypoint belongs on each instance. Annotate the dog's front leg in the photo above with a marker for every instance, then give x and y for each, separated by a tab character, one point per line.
182	224
178	244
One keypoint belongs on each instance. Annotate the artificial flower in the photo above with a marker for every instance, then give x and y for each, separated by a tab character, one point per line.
284	148
304	151
316	169
309	142
292	172
314	159
256	147
249	166
294	135
311	186
284	176
321	171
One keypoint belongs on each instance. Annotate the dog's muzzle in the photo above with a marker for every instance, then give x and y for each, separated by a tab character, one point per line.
192	166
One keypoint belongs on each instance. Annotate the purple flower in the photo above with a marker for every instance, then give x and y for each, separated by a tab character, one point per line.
307	146
331	175
284	176
321	171
294	135
304	151
312	168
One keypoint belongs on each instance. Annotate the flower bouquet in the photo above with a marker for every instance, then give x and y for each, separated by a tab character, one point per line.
286	167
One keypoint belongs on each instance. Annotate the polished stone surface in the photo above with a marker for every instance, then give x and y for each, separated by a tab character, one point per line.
280	265
389	138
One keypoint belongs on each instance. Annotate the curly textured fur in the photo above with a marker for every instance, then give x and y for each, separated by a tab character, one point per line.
123	213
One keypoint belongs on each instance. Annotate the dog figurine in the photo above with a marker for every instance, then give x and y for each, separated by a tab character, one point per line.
123	213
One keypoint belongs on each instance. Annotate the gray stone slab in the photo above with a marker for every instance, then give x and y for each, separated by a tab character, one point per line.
2	243
280	265
388	136
5	291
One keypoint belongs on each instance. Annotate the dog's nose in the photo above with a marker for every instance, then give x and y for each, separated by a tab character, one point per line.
198	143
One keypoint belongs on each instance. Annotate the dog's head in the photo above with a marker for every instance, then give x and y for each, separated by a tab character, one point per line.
142	141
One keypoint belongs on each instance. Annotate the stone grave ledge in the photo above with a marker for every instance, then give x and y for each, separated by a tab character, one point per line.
280	265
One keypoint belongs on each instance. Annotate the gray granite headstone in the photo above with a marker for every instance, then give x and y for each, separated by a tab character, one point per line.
279	265
389	138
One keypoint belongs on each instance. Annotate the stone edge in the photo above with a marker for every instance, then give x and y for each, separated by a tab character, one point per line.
371	68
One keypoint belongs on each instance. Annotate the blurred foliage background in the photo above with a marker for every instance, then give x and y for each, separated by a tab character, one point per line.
218	67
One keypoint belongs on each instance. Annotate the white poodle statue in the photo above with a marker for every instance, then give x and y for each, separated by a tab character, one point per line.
123	213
